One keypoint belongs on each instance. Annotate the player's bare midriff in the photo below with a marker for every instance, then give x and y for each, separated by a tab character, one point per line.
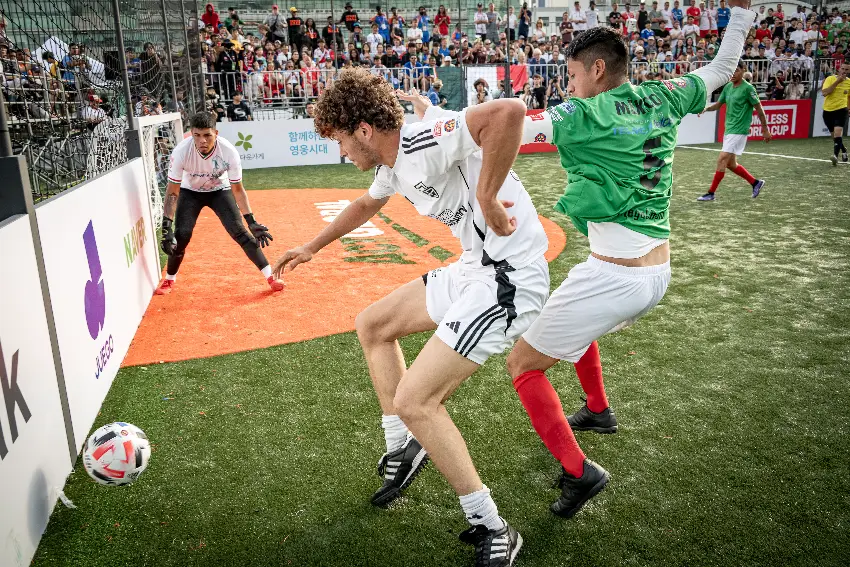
658	255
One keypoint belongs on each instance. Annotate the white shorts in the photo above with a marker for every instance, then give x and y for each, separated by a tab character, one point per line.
734	143
480	314
596	298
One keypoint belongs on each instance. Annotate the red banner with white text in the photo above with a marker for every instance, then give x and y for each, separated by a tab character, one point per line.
785	119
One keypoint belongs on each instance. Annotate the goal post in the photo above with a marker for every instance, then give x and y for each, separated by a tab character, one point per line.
158	135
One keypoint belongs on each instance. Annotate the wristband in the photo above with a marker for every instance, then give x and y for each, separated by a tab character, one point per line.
249	218
166	223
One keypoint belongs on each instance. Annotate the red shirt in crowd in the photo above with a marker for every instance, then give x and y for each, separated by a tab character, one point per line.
210	17
442	23
763	33
695	12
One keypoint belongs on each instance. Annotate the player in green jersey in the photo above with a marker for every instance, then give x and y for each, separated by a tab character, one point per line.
616	142
740	98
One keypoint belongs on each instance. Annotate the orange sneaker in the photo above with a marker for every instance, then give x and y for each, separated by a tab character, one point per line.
276	285
165	287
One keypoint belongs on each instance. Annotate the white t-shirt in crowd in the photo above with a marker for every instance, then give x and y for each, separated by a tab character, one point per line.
480	22
578	18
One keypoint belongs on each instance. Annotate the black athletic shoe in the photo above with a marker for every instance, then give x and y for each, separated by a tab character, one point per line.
576	491
586	420
399	468
493	548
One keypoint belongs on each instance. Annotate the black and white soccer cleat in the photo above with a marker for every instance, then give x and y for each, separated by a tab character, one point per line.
399	469
493	548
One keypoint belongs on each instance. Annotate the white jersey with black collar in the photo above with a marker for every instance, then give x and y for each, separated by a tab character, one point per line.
437	170
218	170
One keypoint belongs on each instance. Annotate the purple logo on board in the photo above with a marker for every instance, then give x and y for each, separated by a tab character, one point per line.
95	294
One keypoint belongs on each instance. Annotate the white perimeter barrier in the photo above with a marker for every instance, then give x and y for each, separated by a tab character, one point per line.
34	458
100	257
99	250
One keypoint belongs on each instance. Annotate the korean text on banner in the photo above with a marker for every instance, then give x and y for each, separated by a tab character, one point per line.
276	143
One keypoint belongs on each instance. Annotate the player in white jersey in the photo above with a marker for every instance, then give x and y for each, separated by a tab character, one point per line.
205	171
454	167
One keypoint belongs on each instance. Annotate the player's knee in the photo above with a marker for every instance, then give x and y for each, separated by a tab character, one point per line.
515	364
242	236
518	362
366	327
182	236
371	328
409	407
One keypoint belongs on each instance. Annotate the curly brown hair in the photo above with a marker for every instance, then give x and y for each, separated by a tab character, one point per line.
358	96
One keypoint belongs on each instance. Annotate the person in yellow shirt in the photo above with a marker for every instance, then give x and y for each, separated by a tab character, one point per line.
836	92
236	39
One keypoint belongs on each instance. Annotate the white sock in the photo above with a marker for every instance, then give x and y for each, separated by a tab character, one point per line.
267	272
480	509
170	277
395	432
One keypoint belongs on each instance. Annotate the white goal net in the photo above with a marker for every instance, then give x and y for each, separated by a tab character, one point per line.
107	147
158	135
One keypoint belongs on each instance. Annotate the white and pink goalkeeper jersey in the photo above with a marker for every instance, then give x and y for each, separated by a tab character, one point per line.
213	172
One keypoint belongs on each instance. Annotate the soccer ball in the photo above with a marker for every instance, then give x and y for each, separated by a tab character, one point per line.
117	453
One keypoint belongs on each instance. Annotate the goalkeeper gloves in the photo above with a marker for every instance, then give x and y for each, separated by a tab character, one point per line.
169	242
260	232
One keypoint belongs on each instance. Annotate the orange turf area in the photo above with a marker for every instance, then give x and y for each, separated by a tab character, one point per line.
222	304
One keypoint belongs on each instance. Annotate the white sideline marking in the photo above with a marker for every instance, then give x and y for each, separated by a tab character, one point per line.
763	154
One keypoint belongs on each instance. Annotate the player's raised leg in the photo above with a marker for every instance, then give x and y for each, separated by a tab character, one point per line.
379	326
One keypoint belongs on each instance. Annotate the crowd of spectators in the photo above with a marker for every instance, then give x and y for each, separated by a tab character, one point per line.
65	88
287	57
780	52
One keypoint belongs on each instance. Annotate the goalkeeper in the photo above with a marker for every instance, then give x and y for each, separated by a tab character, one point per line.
205	171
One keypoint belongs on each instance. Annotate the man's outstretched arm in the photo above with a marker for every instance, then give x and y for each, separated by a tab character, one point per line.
353	216
719	71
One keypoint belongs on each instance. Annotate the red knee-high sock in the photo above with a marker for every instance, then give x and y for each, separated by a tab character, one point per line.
718	177
589	371
742	171
543	406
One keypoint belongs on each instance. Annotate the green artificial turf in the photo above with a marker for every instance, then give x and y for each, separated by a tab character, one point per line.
732	398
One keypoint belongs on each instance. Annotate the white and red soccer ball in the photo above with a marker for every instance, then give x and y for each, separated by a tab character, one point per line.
117	453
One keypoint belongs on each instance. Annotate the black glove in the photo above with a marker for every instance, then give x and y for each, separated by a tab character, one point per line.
260	232
169	243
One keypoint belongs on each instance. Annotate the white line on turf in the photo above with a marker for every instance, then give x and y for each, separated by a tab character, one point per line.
763	154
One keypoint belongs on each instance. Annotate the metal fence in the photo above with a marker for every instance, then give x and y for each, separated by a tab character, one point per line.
284	93
762	72
61	73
